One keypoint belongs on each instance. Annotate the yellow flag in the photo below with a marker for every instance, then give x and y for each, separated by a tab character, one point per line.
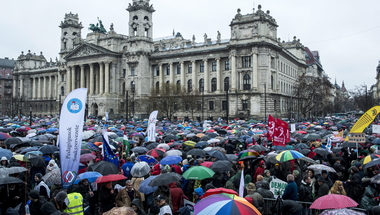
365	120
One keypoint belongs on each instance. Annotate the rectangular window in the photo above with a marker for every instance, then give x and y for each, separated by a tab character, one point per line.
178	69
245	104
168	70
187	106
199	105
132	70
62	77
211	105
190	68
124	72
213	66
246	61
122	105
227	65
202	68
224	105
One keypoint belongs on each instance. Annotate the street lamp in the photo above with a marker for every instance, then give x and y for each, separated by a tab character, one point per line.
226	88
30	116
126	106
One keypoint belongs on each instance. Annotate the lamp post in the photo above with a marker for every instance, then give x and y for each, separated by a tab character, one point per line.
265	102
133	99
203	100
126	106
226	87
30	116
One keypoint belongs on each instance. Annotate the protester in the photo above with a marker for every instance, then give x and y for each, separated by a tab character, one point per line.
338	189
291	191
323	187
164	207
257	199
304	192
125	197
36	202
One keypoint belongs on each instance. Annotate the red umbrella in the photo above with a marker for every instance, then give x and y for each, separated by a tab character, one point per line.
217	191
210	130
207	164
87	157
301	132
156	152
109	178
333	201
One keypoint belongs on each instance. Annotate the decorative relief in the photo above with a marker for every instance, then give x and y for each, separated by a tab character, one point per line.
85	51
132	59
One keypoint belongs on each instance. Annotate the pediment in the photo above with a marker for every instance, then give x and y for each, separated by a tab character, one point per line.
88	50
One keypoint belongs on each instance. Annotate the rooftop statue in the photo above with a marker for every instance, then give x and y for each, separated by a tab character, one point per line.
98	28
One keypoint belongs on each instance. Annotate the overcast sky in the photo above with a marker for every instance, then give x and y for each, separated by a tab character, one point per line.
345	32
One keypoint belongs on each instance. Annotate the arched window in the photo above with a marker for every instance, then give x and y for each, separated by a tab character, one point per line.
226	83
246	82
146	18
189	86
178	85
62	91
201	85
213	85
133	86
271	82
157	87
135	18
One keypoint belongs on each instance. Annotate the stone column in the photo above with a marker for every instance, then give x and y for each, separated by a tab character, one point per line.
21	87
233	72
182	75
107	77
171	77
206	76
115	87
218	76
194	74
82	76
50	87
101	81
14	87
39	88
44	87
255	76
73	73
68	80
34	89
91	79
161	76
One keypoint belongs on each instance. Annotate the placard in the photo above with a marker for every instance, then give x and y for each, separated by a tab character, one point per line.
376	129
293	127
356	137
277	187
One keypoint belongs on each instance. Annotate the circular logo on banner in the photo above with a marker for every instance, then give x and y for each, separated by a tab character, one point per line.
74	105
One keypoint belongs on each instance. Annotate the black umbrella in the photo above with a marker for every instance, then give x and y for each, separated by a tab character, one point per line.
169	138
177	143
37	161
221	166
217	154
201	144
140	150
372	163
321	151
151	146
221	131
232	157
35	143
337	149
205	138
301	146
10	180
247	158
165	179
375	179
350	144
13	140
197	152
211	135
259	148
305	151
48	149
105	168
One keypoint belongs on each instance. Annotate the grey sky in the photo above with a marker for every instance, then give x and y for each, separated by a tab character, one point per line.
352	57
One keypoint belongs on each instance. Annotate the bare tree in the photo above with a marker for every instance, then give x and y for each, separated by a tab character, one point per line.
189	100
362	98
167	100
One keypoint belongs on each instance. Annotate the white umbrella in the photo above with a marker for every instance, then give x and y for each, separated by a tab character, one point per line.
173	152
163	146
213	141
31	135
140	169
207	149
32	131
87	134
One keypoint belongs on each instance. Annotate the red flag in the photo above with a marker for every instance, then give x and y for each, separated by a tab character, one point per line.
271	125
281	133
286	129
253	141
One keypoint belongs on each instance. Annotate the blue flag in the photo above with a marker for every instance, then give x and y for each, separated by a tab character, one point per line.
108	153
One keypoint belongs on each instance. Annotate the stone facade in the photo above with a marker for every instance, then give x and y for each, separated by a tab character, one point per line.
6	71
253	61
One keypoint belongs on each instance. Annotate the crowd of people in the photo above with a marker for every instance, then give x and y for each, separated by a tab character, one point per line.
243	145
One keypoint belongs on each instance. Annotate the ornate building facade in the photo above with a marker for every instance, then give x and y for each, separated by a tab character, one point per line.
252	61
6	71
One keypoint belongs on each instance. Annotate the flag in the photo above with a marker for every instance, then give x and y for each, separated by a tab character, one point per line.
271	125
286	129
280	133
241	186
70	134
126	143
328	146
152	126
108	153
106	116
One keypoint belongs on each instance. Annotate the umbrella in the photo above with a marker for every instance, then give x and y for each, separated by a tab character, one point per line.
48	149
10	180
224	204
302	146
5	153
218	191
157	152
145	188
4	136
53	177
12	170
147	158
321	167
372	163
333	201
221	166
151	146
259	148
121	211
321	151
189	143
105	168
173	152
163	146
271	157
309	160
248	152
207	164
165	179
87	134
371	157
20	157
32	153
337	149
171	159
140	150
201	144
37	161
140	169
342	211
109	178
288	155
198	173
350	144
217	154
91	176
13	140
197	152
232	157
87	157
305	151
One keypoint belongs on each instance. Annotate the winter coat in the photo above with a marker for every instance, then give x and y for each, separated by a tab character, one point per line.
339	169
164	190
355	189
368	202
137	203
127	168
322	190
35	207
48	208
304	191
291	207
278	173
122	199
264	191
136	184
176	194
259	171
257	199
291	191
106	198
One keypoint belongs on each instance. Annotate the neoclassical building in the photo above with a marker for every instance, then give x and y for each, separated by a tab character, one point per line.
252	60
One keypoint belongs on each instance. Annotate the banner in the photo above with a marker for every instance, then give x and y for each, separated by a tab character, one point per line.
281	133
365	120
106	116
107	151
241	186
152	126
271	125
126	143
277	187
70	134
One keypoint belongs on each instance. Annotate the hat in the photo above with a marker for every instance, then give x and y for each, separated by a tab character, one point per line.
355	169
277	164
321	178
251	186
154	209
185	162
4	159
61	196
160	197
249	199
296	173
34	194
39	176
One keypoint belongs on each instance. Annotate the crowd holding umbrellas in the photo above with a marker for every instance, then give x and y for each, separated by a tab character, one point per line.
218	167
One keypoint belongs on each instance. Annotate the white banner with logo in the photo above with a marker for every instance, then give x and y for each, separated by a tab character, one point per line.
277	187
70	134
152	126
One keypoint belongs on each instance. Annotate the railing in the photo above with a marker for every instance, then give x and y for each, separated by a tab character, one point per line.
269	203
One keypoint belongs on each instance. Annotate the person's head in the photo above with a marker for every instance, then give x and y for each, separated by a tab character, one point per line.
160	200
34	195
324	173
109	185
129	159
251	187
338	160
128	185
259	178
311	173
198	192
85	182
277	166
296	173
11	186
4	161
61	196
295	164
307	179
290	177
267	173
154	209
321	180
38	177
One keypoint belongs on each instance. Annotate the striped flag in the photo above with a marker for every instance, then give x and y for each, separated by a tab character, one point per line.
241	186
126	143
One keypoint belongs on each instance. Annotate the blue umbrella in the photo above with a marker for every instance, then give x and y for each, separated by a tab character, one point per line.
35	148
145	188
171	159
92	146
148	159
51	130
91	176
6	153
35	153
376	141
278	148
